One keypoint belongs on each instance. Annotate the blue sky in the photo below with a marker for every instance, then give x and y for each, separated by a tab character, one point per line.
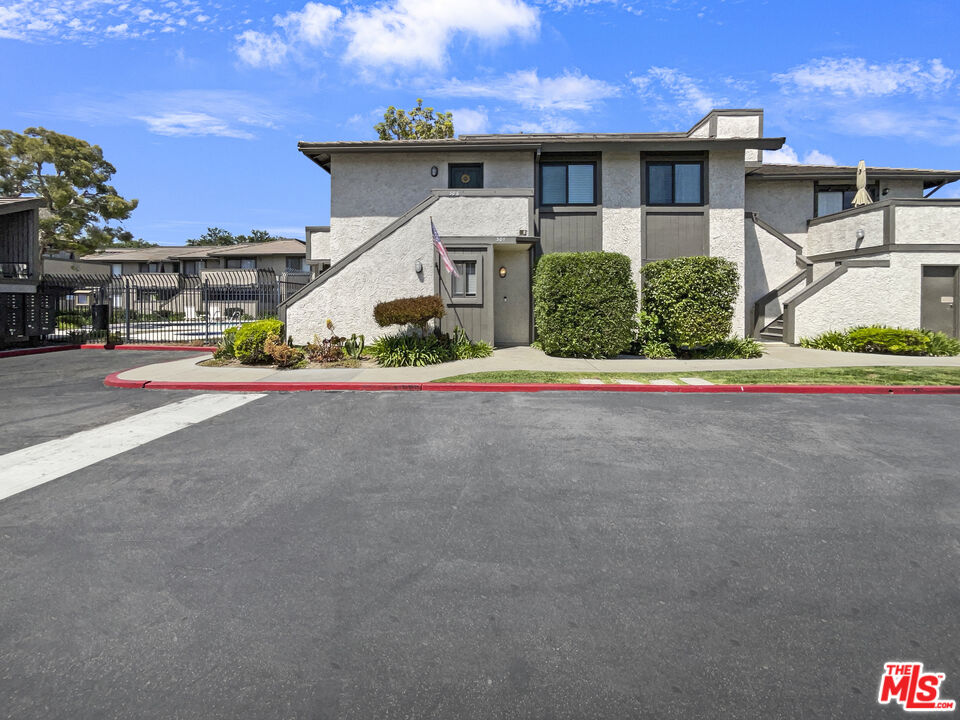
200	104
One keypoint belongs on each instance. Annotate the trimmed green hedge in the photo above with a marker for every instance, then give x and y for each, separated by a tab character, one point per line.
689	300
886	340
584	304
416	311
250	338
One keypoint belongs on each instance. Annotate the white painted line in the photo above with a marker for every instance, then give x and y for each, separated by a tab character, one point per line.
23	469
662	382
623	381
696	381
590	381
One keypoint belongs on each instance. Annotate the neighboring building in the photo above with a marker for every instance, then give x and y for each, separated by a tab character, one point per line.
19	244
23	312
284	256
64	262
501	201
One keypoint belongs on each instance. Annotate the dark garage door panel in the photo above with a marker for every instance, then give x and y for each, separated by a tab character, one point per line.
669	235
570	231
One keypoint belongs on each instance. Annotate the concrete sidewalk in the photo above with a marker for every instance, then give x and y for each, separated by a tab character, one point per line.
777	356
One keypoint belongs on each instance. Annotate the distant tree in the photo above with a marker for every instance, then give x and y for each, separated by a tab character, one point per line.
219	236
73	178
419	124
131	243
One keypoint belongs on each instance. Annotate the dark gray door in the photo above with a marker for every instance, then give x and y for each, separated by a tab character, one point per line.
938	299
511	295
570	230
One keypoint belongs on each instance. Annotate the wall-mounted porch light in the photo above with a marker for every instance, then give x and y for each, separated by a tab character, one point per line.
434	171
418	267
860	234
503	271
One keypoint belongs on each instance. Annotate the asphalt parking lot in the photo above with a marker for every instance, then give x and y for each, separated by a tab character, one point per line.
555	555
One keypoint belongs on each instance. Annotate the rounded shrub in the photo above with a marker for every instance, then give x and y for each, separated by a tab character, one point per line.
417	311
691	298
584	304
250	338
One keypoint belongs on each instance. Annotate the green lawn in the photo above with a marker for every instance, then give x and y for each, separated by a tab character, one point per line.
884	375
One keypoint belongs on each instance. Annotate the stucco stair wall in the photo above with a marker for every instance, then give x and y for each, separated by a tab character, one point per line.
347	293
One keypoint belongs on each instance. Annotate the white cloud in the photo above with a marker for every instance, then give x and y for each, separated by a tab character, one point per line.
546	123
569	91
467	121
815	157
418	32
788	156
313	24
91	21
685	93
568	5
191	124
184	113
258	49
857	77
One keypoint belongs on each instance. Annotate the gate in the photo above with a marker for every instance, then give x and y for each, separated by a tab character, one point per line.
158	307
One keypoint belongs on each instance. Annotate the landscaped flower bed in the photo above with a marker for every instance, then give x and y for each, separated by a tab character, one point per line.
885	340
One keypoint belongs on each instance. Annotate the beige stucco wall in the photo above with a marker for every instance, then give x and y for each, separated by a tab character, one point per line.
867	296
368	192
622	201
900	189
841	233
386	271
785	204
318	244
726	196
769	262
927	224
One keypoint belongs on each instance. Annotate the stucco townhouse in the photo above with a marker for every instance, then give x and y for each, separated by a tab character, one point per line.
808	260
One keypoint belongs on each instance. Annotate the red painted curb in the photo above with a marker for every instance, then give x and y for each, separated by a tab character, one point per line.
36	351
113	380
788	389
181	348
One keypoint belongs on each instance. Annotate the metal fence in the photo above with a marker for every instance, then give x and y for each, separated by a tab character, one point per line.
158	307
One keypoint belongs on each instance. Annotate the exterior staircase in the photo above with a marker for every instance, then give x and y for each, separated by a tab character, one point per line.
774	331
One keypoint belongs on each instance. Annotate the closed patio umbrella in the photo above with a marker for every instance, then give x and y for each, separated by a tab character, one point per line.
862	197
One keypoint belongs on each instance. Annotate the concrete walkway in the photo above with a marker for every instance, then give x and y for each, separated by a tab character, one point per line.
520	358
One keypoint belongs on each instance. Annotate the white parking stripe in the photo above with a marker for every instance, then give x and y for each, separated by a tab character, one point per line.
23	469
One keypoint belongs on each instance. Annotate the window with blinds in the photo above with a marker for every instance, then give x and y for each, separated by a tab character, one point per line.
568	183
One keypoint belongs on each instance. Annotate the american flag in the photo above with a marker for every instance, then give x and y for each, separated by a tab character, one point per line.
438	244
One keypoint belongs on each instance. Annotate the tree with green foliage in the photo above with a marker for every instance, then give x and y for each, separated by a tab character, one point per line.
73	178
219	236
419	124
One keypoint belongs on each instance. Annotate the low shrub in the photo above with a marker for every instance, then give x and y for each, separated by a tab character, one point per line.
885	340
284	355
729	349
690	299
353	346
325	350
942	345
402	350
250	338
656	350
225	349
416	311
584	304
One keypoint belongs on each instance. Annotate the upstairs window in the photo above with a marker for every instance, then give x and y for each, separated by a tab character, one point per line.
295	263
832	199
463	176
568	183
675	183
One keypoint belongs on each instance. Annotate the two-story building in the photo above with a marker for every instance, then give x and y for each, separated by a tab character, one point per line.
807	260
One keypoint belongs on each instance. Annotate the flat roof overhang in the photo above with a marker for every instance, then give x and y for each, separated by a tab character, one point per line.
848	173
320	153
